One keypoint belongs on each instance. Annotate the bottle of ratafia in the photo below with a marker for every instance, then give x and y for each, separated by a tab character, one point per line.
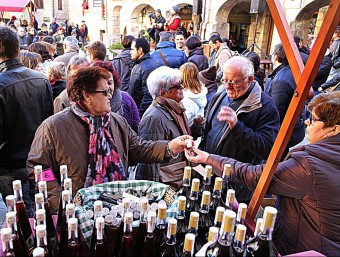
63	176
141	233
37	177
216	199
193	201
149	248
111	232
171	248
41	235
97	210
100	246
182	223
69	213
189	242
126	249
160	230
205	221
7	242
238	244
73	247
65	199
125	207
185	188
262	244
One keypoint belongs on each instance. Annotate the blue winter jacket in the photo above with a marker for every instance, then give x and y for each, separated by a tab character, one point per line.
174	57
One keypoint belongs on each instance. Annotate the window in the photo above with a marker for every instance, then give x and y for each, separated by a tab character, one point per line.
60	4
39	4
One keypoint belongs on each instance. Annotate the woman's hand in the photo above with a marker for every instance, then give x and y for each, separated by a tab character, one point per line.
198	156
180	143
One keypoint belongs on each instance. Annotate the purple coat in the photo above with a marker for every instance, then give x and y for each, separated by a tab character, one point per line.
131	113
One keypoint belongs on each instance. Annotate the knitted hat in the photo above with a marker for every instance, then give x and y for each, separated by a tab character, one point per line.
158	10
14	18
176	9
208	76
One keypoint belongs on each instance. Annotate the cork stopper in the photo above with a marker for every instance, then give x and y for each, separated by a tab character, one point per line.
126	203
63	169
189	242
228	221
128	218
39	198
181	203
65	194
242	211
16	185
213	234
259	224
42	185
39	252
205	198
162	211
226	169
98	206
70	209
144	202
40	215
11	217
269	216
6	234
208	169
218	183
172	227
240	232
230	196
219	214
68	184
72	224
187	172
195	185
193	221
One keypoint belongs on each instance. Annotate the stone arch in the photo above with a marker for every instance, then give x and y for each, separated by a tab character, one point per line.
139	18
116	33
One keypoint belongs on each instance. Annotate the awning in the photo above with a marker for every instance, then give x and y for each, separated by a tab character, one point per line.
14	6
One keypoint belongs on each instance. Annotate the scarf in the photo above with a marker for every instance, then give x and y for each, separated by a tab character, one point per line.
104	161
176	111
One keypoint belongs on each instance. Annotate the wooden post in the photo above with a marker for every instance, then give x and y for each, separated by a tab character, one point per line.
304	78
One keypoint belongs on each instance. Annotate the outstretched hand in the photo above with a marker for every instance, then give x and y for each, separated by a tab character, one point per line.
229	115
198	156
180	143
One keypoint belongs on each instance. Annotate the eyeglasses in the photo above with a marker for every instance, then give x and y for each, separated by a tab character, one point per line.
106	92
178	85
233	83
312	118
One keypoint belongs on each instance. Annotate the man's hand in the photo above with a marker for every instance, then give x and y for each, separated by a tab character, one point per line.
180	143
198	156
229	115
198	120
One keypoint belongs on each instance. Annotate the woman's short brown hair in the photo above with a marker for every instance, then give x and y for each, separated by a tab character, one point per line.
30	59
326	106
85	80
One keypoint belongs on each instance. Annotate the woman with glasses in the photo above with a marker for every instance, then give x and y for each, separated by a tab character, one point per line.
96	144
165	119
306	183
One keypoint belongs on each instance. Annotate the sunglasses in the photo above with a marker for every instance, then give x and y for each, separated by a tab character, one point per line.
106	92
312	118
178	85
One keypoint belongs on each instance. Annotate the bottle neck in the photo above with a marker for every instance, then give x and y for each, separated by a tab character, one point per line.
266	234
73	235
180	214
161	222
207	181
127	228
18	195
39	206
216	194
7	246
143	215
204	208
194	195
42	242
14	228
99	234
226	238
97	214
150	227
171	240
186	182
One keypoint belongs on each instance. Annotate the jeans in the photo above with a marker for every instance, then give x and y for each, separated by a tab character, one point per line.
3	210
6	186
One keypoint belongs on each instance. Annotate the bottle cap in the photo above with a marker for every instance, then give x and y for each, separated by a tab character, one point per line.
151	216
105	211
259	223
128	218
37	169
10	200
39	198
42	185
113	213
181	203
269	217
11	217
213	234
154	206
228	221
108	219
240	232
16	185
63	169
195	185
39	252
242	211
208	169
40	215
226	170
116	222
40	231
100	222
70	209
218	183
98	206
193	221
187	172
89	214
125	203
6	234
144	202
72	224
189	242
172	227
68	184
161	211
206	198
230	196
65	195
219	214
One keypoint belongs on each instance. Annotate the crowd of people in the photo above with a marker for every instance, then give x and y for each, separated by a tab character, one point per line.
146	107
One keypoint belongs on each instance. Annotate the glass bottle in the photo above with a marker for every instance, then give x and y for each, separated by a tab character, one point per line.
171	248
141	233
97	210
63	176
182	223
193	201
22	216
238	244
41	236
160	229
65	199
19	246
111	232
69	213
193	229
149	248
10	203
73	248
37	177
223	246
262	244
205	221
229	201
126	249
185	188
99	249
241	213
189	242
7	242
219	216
206	184
226	180
68	186
216	199
125	207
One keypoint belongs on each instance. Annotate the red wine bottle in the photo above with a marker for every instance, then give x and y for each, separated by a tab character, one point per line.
141	233
126	249
7	242
100	245
149	247
41	235
73	247
111	232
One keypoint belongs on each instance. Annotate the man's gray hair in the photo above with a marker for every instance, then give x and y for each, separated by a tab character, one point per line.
241	62
161	79
166	36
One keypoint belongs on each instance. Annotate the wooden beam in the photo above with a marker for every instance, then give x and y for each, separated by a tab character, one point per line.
304	81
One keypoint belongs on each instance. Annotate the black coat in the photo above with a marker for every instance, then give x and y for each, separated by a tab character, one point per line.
124	64
323	72
197	57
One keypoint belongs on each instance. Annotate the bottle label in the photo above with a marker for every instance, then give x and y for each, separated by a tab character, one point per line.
47	175
30	242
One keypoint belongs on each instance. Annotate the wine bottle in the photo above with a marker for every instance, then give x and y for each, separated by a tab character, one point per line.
73	247
223	246
10	203
160	229
216	199
182	223
111	233
40	218
193	229
226	180
7	242
259	223
99	249
125	207
262	244
19	246
126	249
38	252
69	213
39	201
149	247
97	210
205	221
185	188
229	201
206	184
219	216
22	216
238	244
189	242
37	177
171	248
193	201
41	236
63	176
141	233
241	213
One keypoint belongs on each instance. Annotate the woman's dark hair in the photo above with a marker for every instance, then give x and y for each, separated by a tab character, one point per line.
30	59
85	80
41	49
193	42
127	41
48	39
108	66
255	59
